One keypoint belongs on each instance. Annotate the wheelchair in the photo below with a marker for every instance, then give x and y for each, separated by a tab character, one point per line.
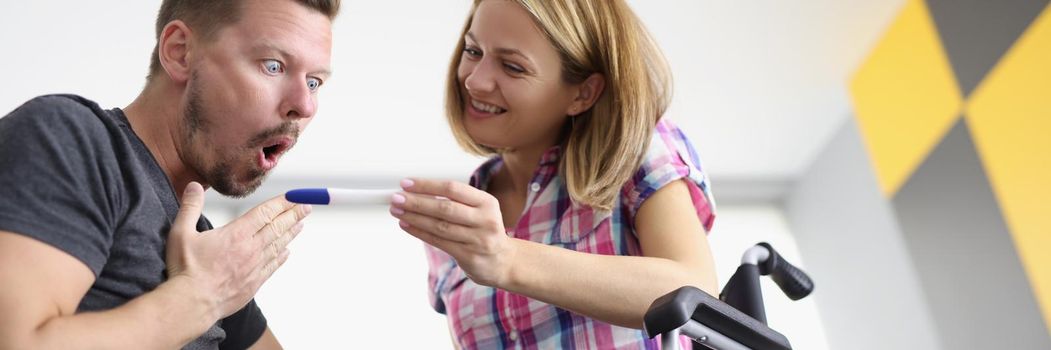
737	319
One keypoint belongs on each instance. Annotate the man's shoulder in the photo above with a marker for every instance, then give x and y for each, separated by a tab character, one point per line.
56	111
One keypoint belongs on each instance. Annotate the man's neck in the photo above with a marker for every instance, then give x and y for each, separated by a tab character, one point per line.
155	117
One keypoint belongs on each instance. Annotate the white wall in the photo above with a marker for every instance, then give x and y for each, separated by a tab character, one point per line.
751	76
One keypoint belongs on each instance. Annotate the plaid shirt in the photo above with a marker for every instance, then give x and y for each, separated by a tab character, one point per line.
488	318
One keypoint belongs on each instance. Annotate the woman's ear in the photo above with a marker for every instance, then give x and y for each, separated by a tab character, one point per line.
173	50
588	93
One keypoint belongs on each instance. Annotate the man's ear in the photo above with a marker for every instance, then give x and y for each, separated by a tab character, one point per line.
588	93
173	50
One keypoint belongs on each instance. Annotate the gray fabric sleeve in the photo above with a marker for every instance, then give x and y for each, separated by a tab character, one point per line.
55	160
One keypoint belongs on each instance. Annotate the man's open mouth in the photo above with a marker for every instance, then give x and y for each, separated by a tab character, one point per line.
272	151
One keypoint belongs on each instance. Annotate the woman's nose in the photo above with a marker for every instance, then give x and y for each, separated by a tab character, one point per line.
480	78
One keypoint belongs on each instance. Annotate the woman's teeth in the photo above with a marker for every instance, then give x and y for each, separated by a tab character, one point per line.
488	108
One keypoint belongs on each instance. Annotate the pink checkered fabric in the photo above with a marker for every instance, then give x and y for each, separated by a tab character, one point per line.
489	318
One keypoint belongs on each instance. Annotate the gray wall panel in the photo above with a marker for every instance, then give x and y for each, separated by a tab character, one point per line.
976	33
867	290
975	285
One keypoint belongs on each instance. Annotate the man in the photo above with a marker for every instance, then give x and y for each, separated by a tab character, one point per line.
102	242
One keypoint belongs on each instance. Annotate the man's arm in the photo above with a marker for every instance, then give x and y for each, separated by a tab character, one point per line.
212	275
44	285
266	342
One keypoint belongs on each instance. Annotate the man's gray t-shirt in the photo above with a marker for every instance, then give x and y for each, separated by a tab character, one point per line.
76	177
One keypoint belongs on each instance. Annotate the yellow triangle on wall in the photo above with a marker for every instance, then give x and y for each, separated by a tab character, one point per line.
1010	118
905	97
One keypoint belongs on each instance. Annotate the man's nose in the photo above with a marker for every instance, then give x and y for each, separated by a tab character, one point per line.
299	101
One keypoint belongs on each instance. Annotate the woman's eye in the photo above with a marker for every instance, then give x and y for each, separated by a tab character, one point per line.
313	84
273	66
514	68
473	52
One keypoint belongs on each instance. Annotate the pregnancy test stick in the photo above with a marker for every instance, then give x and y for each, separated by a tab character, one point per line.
339	196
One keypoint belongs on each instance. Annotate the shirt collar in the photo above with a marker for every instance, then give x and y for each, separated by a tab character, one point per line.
551	156
547	168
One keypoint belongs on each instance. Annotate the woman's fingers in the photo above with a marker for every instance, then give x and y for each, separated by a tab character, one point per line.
441	208
448	246
457	191
436	226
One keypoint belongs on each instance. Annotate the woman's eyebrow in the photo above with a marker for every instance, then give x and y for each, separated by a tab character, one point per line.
505	50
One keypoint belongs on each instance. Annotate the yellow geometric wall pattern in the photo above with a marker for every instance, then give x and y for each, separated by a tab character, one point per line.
1010	119
906	97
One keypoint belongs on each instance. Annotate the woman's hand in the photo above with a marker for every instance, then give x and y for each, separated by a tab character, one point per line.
460	220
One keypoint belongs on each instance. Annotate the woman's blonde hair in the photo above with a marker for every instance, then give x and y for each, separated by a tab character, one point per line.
602	147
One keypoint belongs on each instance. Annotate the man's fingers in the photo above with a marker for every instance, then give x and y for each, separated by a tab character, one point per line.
270	251
190	208
273	264
283	222
292	233
265	213
277	251
283	239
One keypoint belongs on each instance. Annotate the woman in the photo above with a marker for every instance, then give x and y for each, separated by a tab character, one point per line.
591	206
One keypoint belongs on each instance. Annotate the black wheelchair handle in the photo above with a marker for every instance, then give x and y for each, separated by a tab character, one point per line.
675	309
793	282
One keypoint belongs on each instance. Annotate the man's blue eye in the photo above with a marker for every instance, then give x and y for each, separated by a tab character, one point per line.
273	66
313	84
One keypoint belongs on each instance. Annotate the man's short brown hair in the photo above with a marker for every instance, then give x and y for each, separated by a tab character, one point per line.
206	17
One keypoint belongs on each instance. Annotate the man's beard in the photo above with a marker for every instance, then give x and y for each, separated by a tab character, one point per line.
219	174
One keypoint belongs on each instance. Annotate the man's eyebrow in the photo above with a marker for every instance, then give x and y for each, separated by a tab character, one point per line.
324	73
505	51
266	46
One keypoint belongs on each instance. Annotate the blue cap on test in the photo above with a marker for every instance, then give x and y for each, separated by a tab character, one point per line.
308	196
